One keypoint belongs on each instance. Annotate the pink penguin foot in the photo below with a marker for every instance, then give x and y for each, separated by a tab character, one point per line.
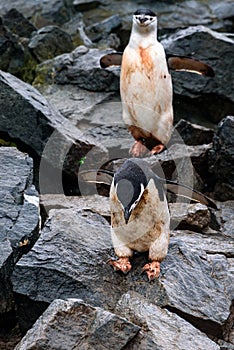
138	149
152	269
157	149
122	264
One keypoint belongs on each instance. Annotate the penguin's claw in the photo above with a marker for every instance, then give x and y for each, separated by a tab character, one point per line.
152	269
138	149
157	149
122	264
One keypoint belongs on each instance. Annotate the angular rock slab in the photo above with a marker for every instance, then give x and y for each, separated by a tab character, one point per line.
45	131
19	215
69	260
161	329
194	284
73	324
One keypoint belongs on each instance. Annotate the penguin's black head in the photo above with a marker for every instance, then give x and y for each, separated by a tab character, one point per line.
144	17
130	182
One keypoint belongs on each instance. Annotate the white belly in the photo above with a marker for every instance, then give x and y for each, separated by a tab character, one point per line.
146	91
148	226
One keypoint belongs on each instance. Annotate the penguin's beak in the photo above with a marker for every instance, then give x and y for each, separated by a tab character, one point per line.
126	215
142	19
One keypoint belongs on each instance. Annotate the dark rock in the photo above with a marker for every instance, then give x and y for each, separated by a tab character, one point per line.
18	24
193	134
19	217
81	5
81	68
11	52
44	131
221	160
161	329
209	98
73	324
49	42
99	30
195	217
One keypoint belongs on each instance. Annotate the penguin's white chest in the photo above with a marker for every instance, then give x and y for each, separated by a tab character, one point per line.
146	90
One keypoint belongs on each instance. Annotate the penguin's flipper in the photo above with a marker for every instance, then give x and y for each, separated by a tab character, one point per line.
93	176
188	192
111	59
182	63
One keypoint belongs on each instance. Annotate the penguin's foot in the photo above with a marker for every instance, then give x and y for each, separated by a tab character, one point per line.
152	269
138	149
122	264
157	149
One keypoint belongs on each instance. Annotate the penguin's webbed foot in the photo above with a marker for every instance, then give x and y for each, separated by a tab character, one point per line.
152	269
122	264
138	149
157	149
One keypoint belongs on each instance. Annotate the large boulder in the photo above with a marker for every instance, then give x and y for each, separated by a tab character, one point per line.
19	217
43	131
70	260
221	160
73	324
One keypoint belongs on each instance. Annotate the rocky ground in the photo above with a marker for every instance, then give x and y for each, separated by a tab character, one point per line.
61	114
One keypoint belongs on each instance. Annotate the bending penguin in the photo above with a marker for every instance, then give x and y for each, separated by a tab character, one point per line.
146	86
140	219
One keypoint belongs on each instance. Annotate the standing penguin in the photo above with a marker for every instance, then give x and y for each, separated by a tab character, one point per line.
145	84
140	219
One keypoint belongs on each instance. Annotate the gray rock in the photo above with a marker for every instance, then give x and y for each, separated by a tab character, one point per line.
36	124
98	31
70	260
49	42
195	217
19	216
221	159
95	203
215	49
161	329
81	68
73	324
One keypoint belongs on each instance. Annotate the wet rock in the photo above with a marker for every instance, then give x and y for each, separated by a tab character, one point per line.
73	324
221	159
209	46
19	216
193	216
161	329
193	134
18	24
43	130
81	68
49	42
